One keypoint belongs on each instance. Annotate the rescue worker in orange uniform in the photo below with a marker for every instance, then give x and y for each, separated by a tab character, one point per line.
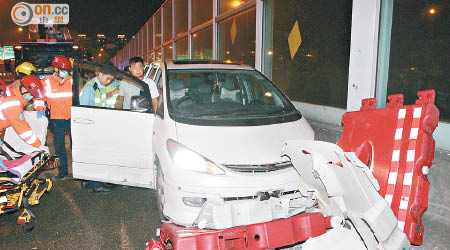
58	88
11	110
25	69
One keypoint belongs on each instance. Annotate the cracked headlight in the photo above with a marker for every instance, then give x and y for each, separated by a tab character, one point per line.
188	159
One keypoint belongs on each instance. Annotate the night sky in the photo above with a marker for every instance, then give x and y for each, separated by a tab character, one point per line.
109	17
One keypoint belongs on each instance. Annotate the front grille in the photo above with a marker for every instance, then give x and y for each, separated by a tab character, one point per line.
263	168
257	196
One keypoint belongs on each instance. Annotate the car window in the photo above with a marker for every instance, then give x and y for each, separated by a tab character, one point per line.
101	86
146	69
160	110
153	72
218	92
226	97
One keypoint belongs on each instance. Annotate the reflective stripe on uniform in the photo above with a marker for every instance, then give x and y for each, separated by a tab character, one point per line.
31	140
26	134
50	93
60	95
6	105
100	99
38	103
112	100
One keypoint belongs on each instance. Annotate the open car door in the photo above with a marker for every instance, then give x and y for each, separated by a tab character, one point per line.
111	144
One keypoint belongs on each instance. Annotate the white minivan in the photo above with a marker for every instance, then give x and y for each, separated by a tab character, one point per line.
212	150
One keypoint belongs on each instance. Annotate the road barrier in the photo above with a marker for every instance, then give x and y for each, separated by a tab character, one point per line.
396	142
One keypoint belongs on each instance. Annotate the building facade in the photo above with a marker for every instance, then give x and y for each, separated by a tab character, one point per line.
325	55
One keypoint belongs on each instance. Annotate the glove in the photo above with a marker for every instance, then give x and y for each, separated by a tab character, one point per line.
2	165
40	113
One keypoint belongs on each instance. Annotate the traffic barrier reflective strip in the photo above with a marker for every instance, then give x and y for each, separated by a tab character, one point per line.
266	235
392	179
410	163
397	143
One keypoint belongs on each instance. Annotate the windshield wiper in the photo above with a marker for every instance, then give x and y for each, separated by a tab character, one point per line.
237	113
280	111
221	112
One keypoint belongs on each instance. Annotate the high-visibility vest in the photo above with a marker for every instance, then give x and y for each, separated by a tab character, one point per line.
100	98
11	115
58	96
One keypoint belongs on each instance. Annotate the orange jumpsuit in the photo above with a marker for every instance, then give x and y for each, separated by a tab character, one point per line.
58	96
11	115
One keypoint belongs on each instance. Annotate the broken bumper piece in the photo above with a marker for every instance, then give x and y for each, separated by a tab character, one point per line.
227	214
345	188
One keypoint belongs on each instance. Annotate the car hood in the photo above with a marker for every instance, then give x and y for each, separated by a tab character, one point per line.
242	144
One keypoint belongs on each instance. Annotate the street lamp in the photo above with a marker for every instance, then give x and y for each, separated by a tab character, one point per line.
20	29
432	11
236	4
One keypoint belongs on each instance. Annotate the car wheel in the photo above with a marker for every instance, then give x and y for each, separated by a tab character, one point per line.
28	226
160	193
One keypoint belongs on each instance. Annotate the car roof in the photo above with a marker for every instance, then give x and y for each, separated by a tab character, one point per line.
205	64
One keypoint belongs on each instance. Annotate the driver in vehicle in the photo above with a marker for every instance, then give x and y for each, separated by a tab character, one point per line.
128	90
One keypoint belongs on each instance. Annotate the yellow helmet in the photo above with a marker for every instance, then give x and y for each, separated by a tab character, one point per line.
71	60
26	68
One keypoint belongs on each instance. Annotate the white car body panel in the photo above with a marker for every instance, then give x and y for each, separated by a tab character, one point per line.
117	150
243	145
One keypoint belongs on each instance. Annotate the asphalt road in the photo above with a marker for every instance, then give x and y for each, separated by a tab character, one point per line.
70	217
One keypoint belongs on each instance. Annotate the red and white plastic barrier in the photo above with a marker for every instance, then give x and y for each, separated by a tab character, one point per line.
266	235
396	143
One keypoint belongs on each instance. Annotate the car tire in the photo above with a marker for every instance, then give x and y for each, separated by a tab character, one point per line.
28	226
160	194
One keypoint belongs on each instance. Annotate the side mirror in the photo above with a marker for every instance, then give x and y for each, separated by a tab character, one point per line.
140	104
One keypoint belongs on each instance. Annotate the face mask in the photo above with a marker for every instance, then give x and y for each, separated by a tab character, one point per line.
63	74
28	97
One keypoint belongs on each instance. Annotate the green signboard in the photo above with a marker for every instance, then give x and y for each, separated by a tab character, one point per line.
8	52
1	54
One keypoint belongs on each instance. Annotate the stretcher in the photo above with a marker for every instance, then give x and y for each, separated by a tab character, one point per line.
20	186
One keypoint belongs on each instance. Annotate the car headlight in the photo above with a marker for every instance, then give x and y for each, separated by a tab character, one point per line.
188	159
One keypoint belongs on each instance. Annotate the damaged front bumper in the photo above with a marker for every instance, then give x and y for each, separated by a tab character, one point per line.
333	183
265	207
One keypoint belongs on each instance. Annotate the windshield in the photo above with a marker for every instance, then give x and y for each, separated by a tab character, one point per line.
224	94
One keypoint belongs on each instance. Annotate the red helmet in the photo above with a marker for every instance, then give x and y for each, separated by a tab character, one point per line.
61	62
33	85
2	87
